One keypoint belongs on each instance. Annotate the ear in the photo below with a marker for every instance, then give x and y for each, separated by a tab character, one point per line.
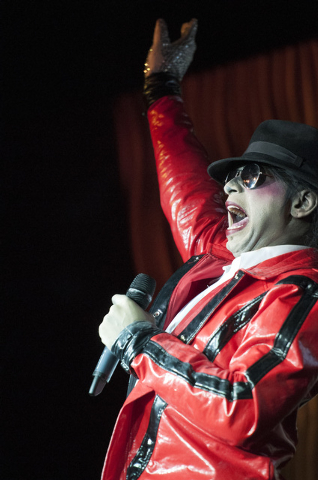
304	203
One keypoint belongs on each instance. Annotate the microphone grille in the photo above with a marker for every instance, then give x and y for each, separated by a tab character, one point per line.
142	289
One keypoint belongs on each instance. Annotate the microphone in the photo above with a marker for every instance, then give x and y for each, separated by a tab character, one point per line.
141	291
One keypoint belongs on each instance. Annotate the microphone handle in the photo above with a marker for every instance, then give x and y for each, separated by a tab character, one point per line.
107	363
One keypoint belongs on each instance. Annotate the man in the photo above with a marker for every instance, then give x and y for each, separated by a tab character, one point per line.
230	350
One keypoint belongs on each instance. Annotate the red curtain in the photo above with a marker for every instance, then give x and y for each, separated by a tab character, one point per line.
226	104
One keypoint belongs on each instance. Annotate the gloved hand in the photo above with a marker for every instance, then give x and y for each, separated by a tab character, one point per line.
122	313
175	57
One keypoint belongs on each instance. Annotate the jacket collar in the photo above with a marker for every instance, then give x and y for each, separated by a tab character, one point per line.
298	260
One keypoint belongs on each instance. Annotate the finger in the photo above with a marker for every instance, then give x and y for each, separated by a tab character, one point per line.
161	34
189	29
156	33
119	299
122	303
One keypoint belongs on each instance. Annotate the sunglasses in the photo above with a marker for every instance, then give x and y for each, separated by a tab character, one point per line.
251	175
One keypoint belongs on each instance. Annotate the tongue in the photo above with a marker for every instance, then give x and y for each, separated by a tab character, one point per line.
237	218
237	215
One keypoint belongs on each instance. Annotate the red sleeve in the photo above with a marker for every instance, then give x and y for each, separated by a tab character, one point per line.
192	202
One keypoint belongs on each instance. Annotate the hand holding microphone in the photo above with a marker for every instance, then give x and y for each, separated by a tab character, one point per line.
126	309
122	313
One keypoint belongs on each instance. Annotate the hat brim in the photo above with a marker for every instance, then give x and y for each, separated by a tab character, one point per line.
218	170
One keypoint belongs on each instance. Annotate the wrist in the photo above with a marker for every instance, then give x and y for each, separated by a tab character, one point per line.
131	342
161	84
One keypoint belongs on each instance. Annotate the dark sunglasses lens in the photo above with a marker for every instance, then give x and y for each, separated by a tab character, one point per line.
250	175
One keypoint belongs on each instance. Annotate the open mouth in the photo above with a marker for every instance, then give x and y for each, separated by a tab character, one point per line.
237	218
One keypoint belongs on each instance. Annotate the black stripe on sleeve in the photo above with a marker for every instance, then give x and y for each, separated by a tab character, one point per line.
203	381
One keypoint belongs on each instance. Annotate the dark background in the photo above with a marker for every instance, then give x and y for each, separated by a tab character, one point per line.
66	243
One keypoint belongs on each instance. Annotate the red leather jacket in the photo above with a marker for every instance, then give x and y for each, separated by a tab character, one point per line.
218	398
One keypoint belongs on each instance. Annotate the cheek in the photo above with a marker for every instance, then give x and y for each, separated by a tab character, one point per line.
272	195
274	189
268	204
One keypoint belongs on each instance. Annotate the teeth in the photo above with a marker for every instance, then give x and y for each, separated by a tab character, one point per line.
236	211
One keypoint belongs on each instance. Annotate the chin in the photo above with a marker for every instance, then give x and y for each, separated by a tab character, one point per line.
236	252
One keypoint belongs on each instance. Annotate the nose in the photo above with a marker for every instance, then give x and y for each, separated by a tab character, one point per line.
234	185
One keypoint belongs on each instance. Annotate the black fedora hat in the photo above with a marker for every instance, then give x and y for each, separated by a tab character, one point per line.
288	145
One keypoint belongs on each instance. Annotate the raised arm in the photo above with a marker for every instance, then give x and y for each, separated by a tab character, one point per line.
191	200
